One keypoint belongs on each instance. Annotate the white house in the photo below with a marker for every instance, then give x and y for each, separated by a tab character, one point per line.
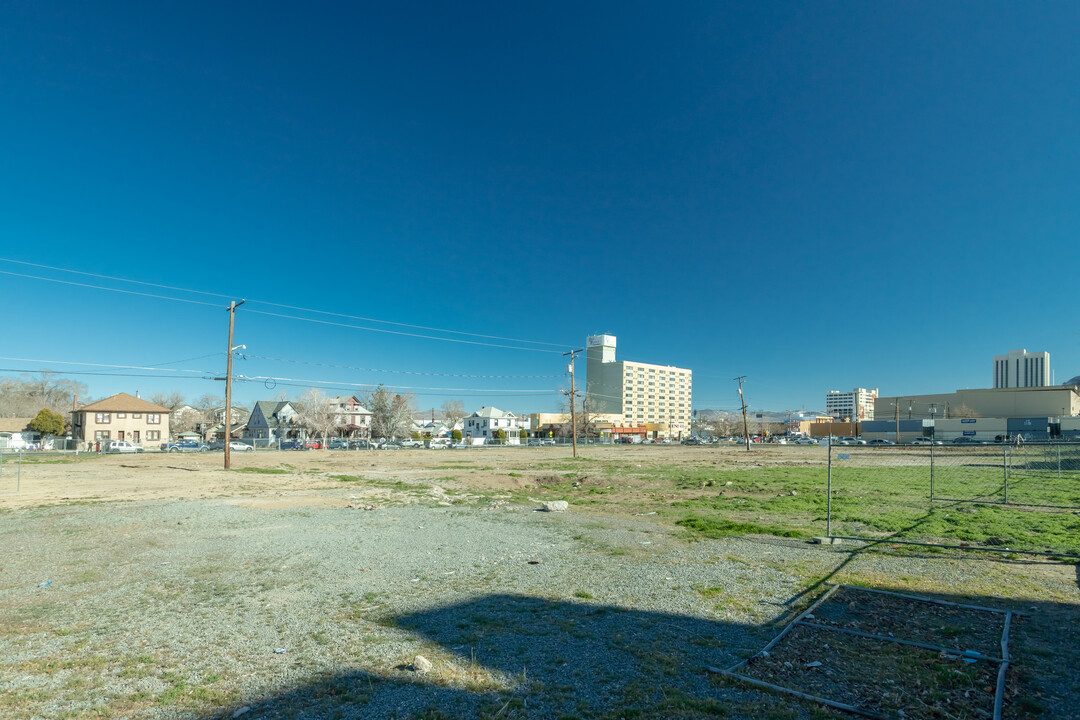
485	423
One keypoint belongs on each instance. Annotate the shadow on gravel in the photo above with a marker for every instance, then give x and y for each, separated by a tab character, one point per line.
518	656
510	656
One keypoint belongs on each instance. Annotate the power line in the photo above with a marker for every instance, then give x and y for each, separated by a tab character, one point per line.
252	300
352	388
200	357
403	372
104	365
65	373
399	332
314	383
100	287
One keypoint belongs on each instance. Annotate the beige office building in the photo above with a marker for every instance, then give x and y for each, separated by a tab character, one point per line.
1052	401
657	397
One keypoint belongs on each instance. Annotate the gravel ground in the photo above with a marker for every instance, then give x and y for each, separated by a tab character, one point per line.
201	608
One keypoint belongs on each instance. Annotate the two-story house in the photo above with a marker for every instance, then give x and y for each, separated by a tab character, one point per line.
121	417
272	421
484	424
353	420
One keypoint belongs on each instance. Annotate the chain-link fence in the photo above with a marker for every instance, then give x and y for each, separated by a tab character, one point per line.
10	471
1022	497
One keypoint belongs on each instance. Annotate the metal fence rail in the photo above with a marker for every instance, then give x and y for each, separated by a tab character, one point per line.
1016	497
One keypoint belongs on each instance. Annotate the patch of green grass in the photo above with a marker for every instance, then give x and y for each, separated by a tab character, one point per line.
719	528
583	595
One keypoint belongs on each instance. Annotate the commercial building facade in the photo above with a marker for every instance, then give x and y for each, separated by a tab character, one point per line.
634	394
854	406
1021	369
1052	401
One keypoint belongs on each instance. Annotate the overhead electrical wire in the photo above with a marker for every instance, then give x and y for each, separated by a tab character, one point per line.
105	374
398	332
101	287
403	372
417	394
396	387
105	365
274	304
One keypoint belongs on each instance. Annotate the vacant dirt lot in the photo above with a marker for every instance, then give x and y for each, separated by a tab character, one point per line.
305	584
151	476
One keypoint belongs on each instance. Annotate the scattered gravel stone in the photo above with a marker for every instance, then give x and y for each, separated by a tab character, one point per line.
421	664
555	505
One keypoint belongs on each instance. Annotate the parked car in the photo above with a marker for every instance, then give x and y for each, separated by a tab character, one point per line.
122	446
337	444
804	441
185	446
361	445
312	445
926	441
965	440
391	445
236	446
691	441
881	441
412	443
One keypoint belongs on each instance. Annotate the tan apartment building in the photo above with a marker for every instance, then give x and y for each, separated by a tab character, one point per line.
121	417
637	394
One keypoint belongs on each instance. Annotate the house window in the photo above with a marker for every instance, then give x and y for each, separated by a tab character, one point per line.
136	416
101	435
121	415
153	434
102	418
153	419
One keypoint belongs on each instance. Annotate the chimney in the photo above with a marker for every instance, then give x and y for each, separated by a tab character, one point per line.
75	403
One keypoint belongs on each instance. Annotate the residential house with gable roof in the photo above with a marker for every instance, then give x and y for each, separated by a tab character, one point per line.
354	421
272	421
121	417
484	424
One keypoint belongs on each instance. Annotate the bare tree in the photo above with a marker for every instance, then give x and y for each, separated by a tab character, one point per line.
170	400
452	412
28	396
318	413
391	413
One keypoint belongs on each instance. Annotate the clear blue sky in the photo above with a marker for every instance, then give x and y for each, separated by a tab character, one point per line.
816	196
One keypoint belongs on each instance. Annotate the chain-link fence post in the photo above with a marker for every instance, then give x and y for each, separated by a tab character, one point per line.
1005	470
931	473
828	497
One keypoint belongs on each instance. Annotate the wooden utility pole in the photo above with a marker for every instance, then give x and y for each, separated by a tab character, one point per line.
573	399
228	381
745	425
